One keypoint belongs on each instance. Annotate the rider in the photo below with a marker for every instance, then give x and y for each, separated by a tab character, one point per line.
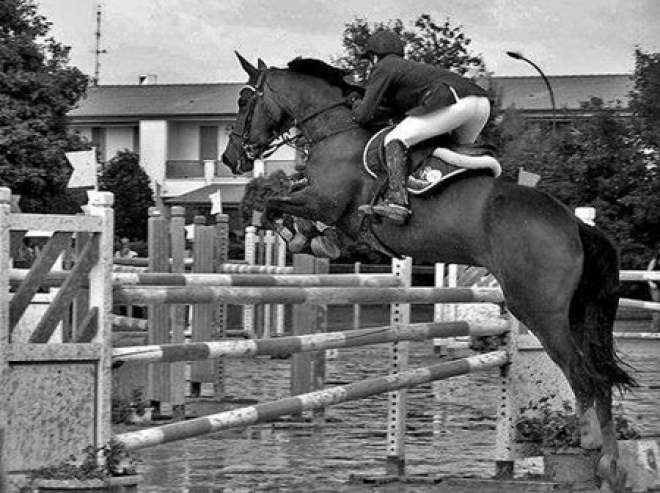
435	101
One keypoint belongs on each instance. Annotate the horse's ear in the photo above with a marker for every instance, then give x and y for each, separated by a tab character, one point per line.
261	65
251	70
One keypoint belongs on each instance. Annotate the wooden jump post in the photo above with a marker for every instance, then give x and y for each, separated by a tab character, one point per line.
55	398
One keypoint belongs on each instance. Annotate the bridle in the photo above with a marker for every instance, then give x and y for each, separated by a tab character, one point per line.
242	133
251	150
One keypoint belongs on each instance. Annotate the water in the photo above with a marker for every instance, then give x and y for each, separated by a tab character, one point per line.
451	431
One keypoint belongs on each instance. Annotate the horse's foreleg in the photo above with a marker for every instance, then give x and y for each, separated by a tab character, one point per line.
307	203
308	208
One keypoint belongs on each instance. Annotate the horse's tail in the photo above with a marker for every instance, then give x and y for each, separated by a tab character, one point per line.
593	311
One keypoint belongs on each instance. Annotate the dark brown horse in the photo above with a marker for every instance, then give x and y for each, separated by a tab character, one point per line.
559	275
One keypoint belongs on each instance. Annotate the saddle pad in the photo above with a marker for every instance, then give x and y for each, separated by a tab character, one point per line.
424	178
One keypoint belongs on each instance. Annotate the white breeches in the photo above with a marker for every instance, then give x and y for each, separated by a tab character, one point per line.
466	118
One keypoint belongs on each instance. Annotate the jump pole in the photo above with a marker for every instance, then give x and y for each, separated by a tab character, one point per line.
262	413
247	280
284	346
639	275
317	295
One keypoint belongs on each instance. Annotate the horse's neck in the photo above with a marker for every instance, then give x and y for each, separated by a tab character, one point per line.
318	113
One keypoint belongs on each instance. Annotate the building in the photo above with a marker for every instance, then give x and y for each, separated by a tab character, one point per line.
181	130
530	95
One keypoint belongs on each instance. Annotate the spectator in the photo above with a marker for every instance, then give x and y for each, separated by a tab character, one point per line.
25	255
125	250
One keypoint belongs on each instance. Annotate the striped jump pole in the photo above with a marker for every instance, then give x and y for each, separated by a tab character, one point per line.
137	295
263	413
340	280
284	346
128	268
229	268
144	262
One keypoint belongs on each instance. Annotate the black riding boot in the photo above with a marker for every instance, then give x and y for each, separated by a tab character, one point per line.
395	207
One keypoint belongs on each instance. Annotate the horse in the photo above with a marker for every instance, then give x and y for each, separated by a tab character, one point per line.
560	276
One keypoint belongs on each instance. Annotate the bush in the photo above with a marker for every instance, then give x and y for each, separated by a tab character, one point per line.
125	178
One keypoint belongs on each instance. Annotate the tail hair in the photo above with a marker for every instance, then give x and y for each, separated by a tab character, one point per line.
593	312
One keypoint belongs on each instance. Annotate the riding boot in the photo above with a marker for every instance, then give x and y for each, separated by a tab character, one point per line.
395	207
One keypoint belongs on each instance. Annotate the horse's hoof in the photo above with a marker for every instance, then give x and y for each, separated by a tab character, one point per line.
306	227
612	473
285	233
299	243
324	248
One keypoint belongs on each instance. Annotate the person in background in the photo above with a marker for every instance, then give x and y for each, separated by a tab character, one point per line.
125	250
654	289
25	255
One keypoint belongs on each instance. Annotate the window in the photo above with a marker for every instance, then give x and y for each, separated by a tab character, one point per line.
136	140
99	141
208	142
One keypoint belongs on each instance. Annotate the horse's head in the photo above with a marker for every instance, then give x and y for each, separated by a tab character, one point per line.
260	120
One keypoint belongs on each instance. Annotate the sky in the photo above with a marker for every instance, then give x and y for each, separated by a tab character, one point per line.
193	41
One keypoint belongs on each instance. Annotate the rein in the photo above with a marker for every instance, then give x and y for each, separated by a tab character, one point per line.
272	146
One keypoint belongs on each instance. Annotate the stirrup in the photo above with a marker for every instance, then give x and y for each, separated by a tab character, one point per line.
394	212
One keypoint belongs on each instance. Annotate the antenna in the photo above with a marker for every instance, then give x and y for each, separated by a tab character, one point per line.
98	52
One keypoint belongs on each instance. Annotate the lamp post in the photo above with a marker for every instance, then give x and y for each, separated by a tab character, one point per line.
518	56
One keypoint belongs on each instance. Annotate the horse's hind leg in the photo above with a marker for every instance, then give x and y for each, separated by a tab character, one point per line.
555	335
593	408
608	464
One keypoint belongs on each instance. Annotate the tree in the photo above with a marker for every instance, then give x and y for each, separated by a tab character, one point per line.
594	162
125	178
37	89
645	97
436	44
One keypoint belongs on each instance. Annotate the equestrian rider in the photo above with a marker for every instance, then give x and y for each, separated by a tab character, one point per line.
435	101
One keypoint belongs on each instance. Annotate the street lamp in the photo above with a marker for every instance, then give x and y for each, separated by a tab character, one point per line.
518	56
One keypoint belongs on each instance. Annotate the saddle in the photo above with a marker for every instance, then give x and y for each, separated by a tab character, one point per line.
430	162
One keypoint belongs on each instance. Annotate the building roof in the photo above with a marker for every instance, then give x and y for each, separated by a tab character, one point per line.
219	99
158	100
531	93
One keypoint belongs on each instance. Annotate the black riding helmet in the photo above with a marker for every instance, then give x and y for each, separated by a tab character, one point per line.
384	43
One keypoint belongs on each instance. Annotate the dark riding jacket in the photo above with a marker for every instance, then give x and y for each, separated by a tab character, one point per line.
412	88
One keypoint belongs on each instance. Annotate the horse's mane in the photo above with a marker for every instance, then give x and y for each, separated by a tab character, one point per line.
318	68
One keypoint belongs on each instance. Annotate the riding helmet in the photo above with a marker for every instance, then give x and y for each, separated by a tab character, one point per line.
384	43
